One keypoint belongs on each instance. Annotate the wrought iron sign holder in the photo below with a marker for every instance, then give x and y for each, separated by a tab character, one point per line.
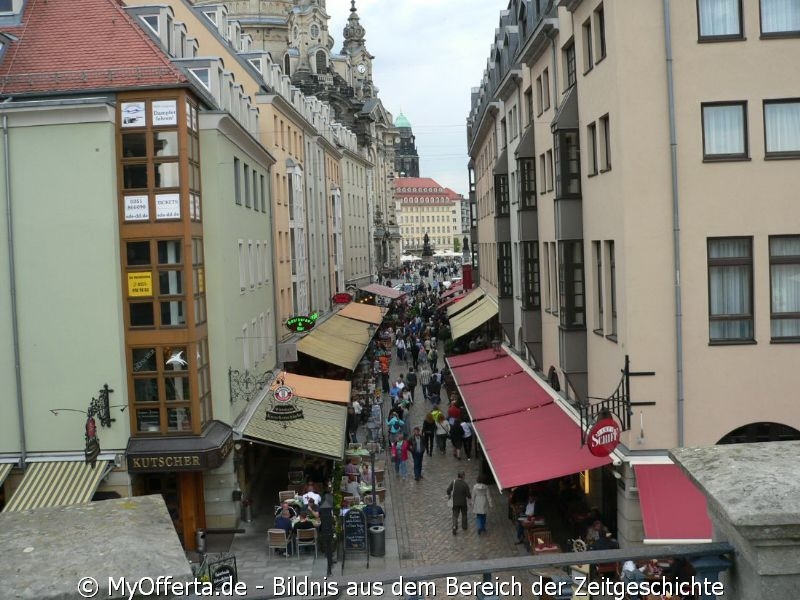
617	404
245	385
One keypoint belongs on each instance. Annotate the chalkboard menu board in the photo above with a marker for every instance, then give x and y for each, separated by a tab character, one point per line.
355	530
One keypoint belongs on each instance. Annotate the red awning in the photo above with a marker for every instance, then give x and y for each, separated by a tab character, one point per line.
673	509
449	301
504	396
461	360
487	371
535	445
453	289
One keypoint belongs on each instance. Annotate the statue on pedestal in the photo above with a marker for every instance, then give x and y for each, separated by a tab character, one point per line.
426	246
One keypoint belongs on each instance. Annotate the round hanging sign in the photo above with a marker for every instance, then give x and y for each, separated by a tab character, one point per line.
283	393
604	437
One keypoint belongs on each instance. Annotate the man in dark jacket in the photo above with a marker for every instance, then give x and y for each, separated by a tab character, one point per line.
411	379
459	491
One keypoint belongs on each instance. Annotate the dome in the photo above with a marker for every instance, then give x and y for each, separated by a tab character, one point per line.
402	121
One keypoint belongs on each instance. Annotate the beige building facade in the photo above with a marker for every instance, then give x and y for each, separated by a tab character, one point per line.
628	209
424	206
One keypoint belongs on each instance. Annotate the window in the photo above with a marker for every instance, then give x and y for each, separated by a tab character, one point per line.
245	349
730	289
588	59
237	181
545	89
505	271
539	97
259	278
263	194
242	267
527	183
531	292
568	163
156	287
784	277
612	284
719	19
542	174
605	144
546	248
782	128
161	394
591	146
780	17
247	190
724	130
600	32
571	284
529	104
502	207
568	56
549	170
553	279
597	258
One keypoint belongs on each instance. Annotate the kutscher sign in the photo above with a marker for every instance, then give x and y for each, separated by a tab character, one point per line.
604	437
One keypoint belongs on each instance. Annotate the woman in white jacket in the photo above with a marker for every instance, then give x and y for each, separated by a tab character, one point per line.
481	503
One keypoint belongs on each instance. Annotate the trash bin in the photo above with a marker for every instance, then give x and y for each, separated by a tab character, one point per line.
377	540
200	540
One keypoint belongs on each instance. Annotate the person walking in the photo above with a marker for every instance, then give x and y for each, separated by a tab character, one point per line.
433	357
400	456
411	382
414	351
442	433
429	433
458	491
466	426
424	377
401	348
417	452
457	438
481	503
395	424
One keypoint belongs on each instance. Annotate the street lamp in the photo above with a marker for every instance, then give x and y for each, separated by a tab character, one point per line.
372	448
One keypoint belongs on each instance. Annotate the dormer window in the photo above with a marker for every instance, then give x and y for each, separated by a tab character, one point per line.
170	45
256	62
211	16
152	22
203	76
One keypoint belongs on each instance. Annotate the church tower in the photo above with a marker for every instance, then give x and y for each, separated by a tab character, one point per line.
355	48
310	43
406	158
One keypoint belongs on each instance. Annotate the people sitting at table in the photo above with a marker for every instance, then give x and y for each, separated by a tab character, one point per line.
284	521
596	531
303	523
310	493
312	509
288	507
630	574
351	468
366	473
530	512
606	542
352	487
373	510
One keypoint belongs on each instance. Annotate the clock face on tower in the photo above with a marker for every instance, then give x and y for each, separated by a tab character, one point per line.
362	68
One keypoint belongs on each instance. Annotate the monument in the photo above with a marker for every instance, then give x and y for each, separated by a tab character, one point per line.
427	253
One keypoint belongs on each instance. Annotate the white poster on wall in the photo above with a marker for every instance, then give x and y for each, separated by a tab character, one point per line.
165	112
168	206
133	114
137	208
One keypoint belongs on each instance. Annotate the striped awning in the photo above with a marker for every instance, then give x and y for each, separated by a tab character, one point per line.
466	301
321	430
5	469
56	484
472	318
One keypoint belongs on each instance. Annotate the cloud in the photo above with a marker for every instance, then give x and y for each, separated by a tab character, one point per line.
429	54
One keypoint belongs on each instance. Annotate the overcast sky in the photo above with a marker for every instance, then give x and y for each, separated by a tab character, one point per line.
428	54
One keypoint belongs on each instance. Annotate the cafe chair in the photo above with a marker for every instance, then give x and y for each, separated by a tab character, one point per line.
307	537
285	495
278	540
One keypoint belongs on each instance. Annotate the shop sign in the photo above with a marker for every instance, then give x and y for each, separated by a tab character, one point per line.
342	298
140	285
188	460
137	208
300	324
223	574
168	206
92	450
283	406
133	114
604	437
165	112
